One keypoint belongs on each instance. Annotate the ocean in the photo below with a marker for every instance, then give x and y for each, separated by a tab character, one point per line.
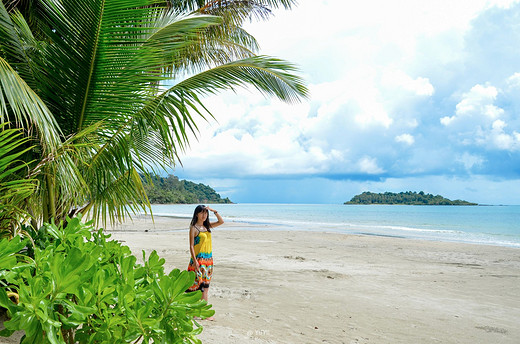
489	225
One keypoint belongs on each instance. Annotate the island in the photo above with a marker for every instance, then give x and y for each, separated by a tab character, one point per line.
408	198
171	190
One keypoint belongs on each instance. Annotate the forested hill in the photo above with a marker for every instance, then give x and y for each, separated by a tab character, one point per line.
408	197
166	190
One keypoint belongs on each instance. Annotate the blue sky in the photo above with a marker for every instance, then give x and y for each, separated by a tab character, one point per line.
405	95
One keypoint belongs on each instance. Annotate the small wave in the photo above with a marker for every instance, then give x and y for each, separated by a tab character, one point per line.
182	216
414	229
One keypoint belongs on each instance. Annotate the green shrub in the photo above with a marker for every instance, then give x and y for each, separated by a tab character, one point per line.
82	288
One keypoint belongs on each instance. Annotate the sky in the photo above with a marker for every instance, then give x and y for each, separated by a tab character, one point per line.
405	95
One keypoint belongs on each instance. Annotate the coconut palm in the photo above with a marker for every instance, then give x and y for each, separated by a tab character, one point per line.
85	81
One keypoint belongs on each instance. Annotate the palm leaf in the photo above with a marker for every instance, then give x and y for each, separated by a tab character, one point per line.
222	43
13	188
194	5
269	75
16	44
20	104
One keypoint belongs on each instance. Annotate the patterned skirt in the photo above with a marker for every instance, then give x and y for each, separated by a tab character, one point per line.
203	278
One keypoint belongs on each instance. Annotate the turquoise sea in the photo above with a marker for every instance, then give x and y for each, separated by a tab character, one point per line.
490	225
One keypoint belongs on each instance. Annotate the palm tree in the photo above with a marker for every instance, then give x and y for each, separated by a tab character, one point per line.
82	79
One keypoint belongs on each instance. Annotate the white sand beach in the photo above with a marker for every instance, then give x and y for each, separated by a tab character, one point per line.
306	287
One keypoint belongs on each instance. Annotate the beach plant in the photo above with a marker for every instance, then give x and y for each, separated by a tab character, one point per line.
107	90
82	287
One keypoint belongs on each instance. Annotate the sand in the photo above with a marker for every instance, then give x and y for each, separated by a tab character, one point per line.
306	287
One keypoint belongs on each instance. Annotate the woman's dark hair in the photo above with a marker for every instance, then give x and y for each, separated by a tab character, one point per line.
194	219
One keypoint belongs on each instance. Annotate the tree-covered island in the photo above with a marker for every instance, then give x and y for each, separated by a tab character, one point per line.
168	190
408	198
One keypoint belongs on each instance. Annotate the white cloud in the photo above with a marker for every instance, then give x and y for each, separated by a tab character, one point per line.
477	120
254	139
369	165
399	22
405	138
410	123
514	80
357	90
373	114
502	140
447	120
479	101
470	160
397	78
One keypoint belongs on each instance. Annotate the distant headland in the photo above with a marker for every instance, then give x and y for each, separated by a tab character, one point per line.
171	190
408	198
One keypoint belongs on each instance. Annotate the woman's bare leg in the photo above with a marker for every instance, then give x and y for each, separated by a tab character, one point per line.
205	297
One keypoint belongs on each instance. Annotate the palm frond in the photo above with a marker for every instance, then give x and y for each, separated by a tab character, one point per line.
118	197
194	5
236	12
29	10
269	75
22	106
11	142
218	44
14	186
87	67
16	44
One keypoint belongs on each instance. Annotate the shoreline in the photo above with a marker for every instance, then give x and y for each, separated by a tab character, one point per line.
262	225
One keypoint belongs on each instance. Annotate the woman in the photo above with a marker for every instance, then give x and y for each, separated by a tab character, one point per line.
201	261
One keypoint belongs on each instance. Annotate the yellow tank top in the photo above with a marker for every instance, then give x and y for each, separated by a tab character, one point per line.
202	245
